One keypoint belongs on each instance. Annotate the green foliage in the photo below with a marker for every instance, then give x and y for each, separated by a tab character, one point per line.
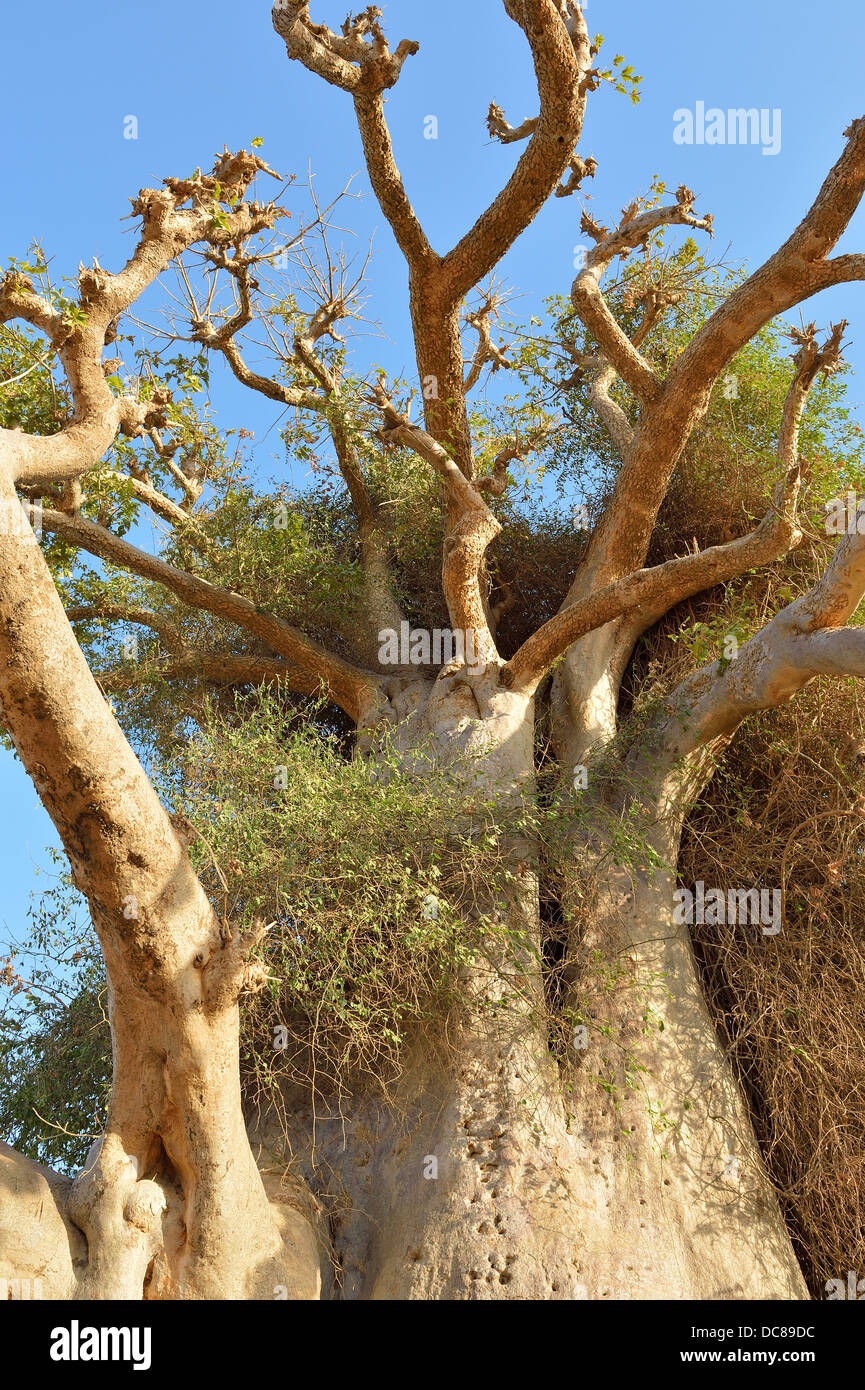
621	75
30	400
343	857
724	480
375	880
55	1046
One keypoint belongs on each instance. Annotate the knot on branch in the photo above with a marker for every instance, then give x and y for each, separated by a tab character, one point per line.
655	300
500	129
203	331
811	359
495	484
154	206
323	321
136	418
230	971
144	1205
92	281
394	421
593	228
578	169
13	283
358	59
230	178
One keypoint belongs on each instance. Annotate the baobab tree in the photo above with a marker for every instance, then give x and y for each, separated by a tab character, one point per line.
512	1166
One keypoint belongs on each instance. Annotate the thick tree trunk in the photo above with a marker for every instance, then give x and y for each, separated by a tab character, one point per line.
632	1173
674	1197
459	1188
467	1194
488	1179
170	1201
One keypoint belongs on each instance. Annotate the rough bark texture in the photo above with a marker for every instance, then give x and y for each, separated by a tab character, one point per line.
627	1171
170	1196
675	1197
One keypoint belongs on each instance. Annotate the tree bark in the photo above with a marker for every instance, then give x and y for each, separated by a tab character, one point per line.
675	1199
170	1199
628	1170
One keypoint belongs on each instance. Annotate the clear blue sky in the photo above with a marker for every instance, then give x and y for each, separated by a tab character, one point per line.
198	76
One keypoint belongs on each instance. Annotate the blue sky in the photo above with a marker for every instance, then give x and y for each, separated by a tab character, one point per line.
198	76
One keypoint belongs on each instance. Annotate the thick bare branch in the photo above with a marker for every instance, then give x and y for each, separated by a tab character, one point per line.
500	129
806	639
778	532
163	507
79	337
357	59
360	62
472	526
349	686
609	412
647	594
386	180
794	273
222	668
561	52
634	230
659	589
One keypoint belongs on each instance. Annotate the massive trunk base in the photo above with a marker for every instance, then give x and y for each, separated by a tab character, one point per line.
629	1171
675	1198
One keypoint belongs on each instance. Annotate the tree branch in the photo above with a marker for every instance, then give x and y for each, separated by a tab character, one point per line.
348	686
591	308
79	336
647	594
471	528
561	52
223	668
795	272
803	640
164	627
